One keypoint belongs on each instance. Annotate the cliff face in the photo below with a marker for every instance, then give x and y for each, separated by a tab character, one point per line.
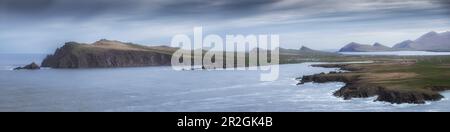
106	53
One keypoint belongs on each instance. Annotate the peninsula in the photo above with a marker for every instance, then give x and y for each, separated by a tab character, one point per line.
414	80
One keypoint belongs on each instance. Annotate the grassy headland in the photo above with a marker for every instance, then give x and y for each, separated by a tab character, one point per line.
406	80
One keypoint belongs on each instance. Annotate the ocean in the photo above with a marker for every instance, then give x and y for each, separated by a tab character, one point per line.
161	89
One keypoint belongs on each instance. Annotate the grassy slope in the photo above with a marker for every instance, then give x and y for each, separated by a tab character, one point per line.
424	73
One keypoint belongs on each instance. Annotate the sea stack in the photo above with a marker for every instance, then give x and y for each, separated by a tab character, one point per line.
32	66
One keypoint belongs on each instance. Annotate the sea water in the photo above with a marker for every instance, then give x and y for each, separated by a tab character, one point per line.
163	89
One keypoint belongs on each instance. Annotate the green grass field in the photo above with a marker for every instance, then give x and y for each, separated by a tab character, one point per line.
426	72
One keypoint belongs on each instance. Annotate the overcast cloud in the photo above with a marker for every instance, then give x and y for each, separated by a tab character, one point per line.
40	26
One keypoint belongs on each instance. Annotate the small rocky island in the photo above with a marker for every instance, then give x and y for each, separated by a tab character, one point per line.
108	53
394	82
32	66
432	41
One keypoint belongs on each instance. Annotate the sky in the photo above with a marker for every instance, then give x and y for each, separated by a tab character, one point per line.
41	26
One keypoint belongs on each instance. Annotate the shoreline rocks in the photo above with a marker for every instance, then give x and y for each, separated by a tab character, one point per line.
345	67
330	77
431	41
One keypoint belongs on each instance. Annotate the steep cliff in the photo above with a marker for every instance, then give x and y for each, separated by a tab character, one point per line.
107	53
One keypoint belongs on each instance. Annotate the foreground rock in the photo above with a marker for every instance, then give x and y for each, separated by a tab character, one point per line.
362	85
32	66
107	53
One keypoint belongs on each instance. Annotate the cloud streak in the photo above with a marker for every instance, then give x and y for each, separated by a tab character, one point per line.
87	20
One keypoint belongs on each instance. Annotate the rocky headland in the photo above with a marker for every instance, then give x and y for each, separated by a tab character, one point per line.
387	81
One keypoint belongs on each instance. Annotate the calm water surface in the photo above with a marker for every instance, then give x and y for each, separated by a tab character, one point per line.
162	89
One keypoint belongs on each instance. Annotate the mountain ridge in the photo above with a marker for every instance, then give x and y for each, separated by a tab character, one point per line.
431	41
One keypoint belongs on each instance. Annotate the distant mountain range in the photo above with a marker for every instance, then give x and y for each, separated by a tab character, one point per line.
431	41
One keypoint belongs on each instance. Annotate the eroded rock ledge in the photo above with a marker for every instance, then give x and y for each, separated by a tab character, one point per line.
357	86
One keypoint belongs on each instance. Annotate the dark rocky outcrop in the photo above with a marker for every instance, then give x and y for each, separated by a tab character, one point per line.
106	53
398	96
32	66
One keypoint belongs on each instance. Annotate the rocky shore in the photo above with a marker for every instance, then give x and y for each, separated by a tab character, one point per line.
361	83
